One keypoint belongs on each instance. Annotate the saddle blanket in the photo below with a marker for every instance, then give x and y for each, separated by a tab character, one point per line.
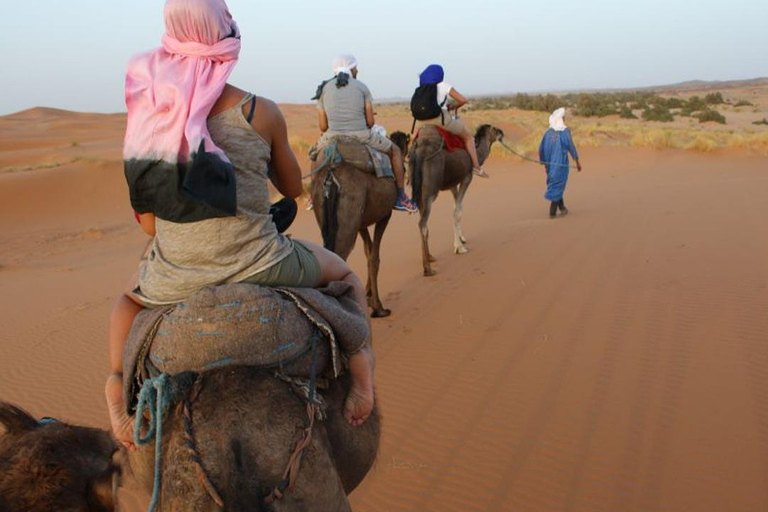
352	151
452	141
235	325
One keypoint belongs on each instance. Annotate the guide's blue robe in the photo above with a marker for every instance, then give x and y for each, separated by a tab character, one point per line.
553	150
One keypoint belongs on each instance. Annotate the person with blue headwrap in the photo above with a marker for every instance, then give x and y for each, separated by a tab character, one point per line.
450	100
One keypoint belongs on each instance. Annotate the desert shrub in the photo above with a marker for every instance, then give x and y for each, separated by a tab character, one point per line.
714	98
711	116
658	113
626	113
743	103
694	104
762	121
596	105
675	103
538	103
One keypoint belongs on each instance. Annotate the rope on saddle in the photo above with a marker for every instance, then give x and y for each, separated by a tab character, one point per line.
332	156
155	399
505	146
291	472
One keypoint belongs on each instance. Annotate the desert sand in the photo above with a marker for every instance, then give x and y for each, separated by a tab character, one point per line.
615	359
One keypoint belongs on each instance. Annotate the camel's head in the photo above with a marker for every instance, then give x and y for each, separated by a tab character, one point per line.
402	141
54	466
491	133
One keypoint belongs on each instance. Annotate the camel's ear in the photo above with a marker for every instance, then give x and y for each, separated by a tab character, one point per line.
16	420
102	491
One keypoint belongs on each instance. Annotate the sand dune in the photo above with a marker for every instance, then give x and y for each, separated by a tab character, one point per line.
615	359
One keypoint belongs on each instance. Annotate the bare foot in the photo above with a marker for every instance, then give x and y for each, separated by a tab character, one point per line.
359	402
122	424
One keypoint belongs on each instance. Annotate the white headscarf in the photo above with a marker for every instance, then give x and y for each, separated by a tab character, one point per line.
344	64
556	120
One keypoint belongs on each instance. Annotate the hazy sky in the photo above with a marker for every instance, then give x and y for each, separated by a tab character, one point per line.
72	53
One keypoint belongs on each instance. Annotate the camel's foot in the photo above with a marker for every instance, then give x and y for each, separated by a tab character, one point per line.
461	249
381	313
428	272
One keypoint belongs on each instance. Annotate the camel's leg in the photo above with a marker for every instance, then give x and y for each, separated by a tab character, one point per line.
373	269
368	247
458	197
426	258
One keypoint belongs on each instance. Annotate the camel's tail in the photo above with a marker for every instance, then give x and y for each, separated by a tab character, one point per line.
16	420
330	228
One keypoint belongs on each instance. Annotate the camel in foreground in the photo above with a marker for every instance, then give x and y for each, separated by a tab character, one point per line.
244	425
50	465
347	200
434	169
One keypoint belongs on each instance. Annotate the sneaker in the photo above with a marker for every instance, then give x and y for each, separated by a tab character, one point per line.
404	204
478	171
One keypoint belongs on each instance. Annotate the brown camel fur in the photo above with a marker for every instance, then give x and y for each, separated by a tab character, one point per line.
54	466
246	424
401	140
361	200
434	169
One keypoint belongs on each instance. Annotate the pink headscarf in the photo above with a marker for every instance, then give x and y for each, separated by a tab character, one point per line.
169	93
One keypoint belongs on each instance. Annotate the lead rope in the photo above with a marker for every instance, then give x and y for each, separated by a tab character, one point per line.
504	144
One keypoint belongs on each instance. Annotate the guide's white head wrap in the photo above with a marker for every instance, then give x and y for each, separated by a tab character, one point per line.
344	64
556	120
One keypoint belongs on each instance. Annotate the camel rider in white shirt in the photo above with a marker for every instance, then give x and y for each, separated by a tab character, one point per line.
345	107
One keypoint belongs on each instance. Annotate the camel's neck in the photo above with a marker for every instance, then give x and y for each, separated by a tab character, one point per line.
483	150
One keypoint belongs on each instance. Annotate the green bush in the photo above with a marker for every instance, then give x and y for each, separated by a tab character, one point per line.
711	116
762	121
714	98
626	113
595	105
694	104
658	113
743	103
675	103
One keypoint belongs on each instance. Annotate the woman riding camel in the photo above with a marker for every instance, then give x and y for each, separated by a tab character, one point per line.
434	75
198	155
